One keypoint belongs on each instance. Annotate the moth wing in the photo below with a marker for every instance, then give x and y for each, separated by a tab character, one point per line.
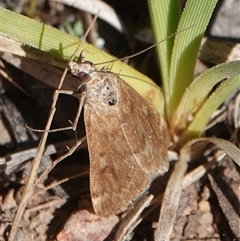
126	148
146	132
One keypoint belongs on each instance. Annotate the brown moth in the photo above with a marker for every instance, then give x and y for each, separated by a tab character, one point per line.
127	139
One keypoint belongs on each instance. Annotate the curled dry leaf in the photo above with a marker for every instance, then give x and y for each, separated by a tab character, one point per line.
105	12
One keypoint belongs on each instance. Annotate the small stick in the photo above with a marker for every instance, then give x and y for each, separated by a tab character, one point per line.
29	188
54	184
69	153
12	162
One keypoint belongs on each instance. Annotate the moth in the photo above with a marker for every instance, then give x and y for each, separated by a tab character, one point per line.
127	139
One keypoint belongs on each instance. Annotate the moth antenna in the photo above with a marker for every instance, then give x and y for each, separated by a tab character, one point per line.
147	49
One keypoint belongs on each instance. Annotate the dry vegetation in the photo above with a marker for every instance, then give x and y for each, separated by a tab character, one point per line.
209	206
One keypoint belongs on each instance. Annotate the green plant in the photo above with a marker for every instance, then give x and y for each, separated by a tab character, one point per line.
177	57
189	103
46	44
186	103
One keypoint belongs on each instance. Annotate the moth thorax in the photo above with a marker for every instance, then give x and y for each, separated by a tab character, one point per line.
103	92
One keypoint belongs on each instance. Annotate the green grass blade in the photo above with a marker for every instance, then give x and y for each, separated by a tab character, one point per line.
60	46
186	47
197	93
212	103
164	15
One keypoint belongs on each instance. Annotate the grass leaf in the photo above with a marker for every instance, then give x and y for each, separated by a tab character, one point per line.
197	93
185	51
202	117
60	46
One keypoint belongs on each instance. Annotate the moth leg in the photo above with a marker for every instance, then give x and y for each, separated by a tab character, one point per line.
81	57
53	109
79	110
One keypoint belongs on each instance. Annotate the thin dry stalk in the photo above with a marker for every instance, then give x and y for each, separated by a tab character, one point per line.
130	222
171	198
177	182
69	153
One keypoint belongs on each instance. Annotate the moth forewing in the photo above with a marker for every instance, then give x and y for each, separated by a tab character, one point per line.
147	134
127	142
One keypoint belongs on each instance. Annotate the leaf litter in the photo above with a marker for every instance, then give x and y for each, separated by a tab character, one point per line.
208	206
